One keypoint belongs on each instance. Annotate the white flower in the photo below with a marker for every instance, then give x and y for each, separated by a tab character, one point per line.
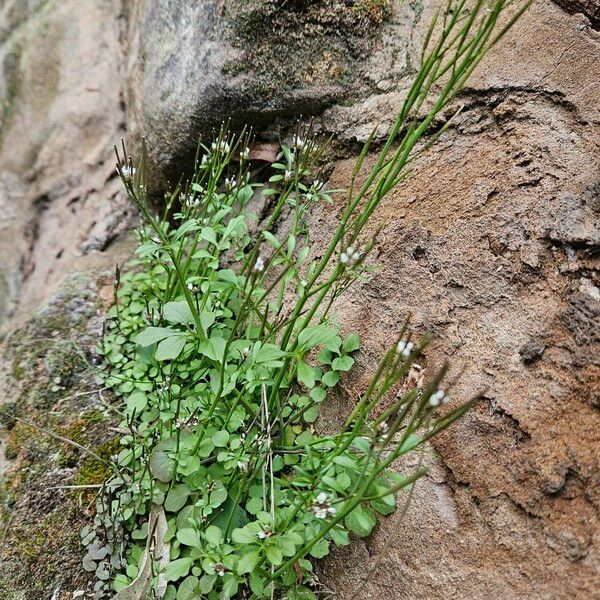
317	185
298	142
245	153
383	427
287	175
259	265
350	255
322	506
405	348
219	569
230	183
264	533
438	398
127	172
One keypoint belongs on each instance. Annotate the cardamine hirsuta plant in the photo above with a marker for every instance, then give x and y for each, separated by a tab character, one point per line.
222	344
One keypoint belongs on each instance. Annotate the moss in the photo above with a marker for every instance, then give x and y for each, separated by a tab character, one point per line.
40	522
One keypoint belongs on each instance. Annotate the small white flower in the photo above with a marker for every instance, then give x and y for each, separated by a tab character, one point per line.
350	250
287	175
219	569
438	398
405	348
230	183
298	142
245	153
246	352
264	533
356	256
317	185
127	171
322	506
344	258
383	427
259	265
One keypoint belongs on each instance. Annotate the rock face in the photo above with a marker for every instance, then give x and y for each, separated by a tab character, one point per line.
492	244
194	65
60	112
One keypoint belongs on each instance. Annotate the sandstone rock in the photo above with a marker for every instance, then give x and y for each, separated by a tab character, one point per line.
60	113
491	244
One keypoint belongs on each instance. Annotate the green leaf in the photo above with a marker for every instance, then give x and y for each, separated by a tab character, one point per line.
243	535
274	554
306	374
189	537
213	535
271	239
320	549
170	348
207	583
345	461
257	584
385	505
318	394
330	379
178	312
316	336
214	348
361	521
220	439
151	335
137	402
230	587
189	589
177	497
268	353
342	363
339	536
248	562
161	465
311	414
177	569
351	343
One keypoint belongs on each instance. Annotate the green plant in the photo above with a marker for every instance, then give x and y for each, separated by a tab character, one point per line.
222	343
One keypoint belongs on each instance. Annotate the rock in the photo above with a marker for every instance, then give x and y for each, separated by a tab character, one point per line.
194	65
504	208
531	350
60	113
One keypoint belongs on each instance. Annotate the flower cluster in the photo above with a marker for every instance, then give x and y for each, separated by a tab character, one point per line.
349	256
322	506
438	398
404	348
127	171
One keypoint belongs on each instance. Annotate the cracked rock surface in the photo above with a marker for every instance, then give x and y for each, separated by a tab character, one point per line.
492	245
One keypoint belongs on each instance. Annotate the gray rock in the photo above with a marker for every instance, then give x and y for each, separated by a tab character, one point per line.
196	64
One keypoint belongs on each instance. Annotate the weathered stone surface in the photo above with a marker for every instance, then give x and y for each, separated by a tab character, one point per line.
60	112
492	245
196	64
